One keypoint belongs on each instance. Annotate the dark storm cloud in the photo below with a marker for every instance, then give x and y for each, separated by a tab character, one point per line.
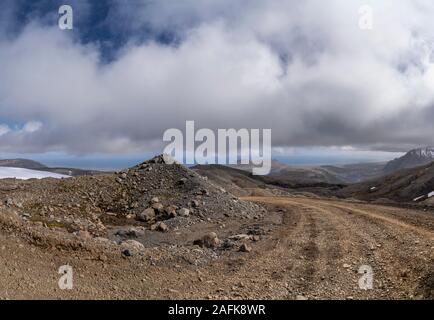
131	70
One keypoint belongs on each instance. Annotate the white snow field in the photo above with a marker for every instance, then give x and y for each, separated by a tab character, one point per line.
24	174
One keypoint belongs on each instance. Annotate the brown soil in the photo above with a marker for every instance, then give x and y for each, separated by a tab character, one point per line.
307	248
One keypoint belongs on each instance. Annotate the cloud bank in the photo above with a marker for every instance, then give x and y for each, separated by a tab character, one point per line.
302	68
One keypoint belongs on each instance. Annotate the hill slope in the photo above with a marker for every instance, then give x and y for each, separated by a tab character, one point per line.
406	185
330	174
34	165
413	158
238	182
22	163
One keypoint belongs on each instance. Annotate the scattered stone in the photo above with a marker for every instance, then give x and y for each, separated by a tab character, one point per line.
240	237
245	248
184	212
194	203
146	215
301	297
133	244
128	233
209	240
102	240
102	257
126	253
160	226
158	207
155	200
84	234
171	211
255	238
182	181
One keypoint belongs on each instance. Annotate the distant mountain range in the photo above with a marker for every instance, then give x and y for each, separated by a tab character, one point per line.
348	173
22	163
413	158
283	174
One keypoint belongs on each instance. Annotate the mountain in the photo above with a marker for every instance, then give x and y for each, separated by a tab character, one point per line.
406	185
22	163
236	181
413	158
358	172
34	165
330	174
244	183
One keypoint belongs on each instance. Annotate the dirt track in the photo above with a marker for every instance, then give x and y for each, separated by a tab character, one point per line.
313	250
325	243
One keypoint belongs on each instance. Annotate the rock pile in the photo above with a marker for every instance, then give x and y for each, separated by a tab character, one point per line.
157	191
157	194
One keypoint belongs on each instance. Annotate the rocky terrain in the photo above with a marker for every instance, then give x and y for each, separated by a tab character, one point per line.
163	231
147	194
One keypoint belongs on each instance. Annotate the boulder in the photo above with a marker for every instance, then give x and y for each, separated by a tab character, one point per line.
146	215
245	248
184	212
170	211
158	207
160	226
210	240
240	237
133	244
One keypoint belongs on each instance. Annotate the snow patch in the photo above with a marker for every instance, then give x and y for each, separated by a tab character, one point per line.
424	153
24	174
418	198
431	194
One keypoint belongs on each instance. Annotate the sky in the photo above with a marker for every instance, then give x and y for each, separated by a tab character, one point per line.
108	89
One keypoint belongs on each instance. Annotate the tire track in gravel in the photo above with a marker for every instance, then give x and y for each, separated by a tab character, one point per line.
317	253
419	223
401	257
399	251
332	280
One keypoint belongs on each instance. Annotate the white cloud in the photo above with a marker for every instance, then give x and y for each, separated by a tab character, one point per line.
4	129
32	126
303	69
